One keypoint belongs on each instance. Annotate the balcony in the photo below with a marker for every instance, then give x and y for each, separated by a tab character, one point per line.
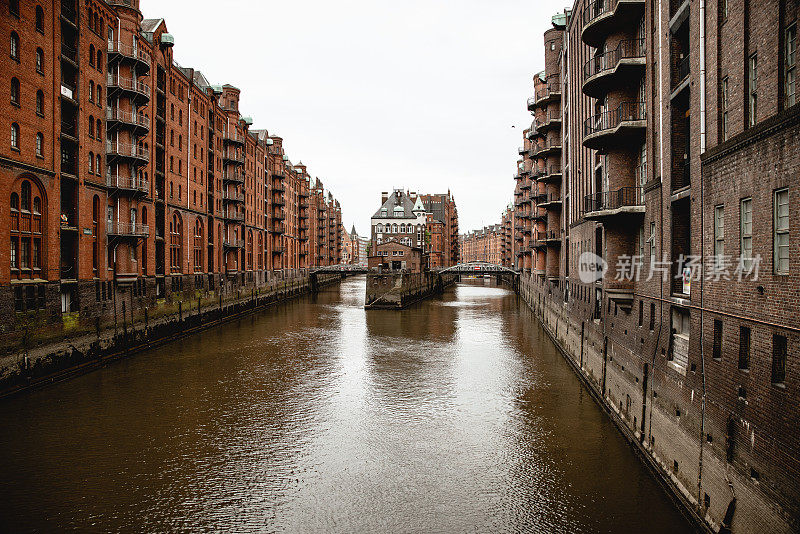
233	177
278	189
601	17
680	74
550	92
124	229
278	250
278	200
137	55
552	174
229	157
69	219
625	125
615	68
233	216
277	228
137	123
138	155
625	201
524	186
233	243
538	196
127	184
550	147
551	201
233	138
70	53
552	238
279	215
552	119
139	91
521	151
232	196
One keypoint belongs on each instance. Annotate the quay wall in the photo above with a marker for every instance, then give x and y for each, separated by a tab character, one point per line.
41	349
396	290
621	361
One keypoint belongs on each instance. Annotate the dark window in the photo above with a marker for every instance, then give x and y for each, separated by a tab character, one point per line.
744	347
14	46
40	19
15	91
13	8
39	61
652	316
40	103
717	354
778	358
641	313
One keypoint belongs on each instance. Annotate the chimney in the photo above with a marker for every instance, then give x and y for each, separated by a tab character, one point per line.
384	197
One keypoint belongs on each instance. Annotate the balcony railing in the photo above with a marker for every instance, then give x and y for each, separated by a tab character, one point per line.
232	156
69	52
682	70
129	84
127	229
232	215
128	183
613	200
233	137
233	197
234	177
551	88
629	49
134	52
233	243
127	150
138	119
608	120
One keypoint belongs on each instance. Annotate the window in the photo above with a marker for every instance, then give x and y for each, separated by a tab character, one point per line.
752	87
40	145
652	241
15	46
15	136
13	8
791	60
99	131
39	61
778	358
91	163
717	351
746	232
91	91
98	165
26	231
39	19
15	91
719	232
781	232
176	240
100	60
40	103
91	126
744	347
724	109
91	55
99	95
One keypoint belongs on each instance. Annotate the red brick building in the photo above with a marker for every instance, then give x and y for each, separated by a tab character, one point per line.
666	133
129	177
485	244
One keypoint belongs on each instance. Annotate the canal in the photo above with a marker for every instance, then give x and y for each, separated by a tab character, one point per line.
456	415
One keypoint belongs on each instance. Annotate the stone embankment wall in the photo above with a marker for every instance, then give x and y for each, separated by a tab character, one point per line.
398	290
623	358
47	353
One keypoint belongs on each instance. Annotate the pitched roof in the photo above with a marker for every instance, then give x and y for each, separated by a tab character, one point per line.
398	206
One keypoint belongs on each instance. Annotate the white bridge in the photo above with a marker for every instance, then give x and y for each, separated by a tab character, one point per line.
478	268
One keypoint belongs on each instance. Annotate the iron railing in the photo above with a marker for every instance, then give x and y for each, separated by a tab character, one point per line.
610	200
628	49
608	120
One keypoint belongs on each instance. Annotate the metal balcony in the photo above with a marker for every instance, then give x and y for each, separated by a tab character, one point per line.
624	125
232	196
125	229
233	243
551	201
230	157
139	91
136	153
615	68
233	177
118	50
138	123
602	17
232	137
233	216
552	174
127	184
625	201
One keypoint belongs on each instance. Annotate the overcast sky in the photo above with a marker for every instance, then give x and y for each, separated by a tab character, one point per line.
372	94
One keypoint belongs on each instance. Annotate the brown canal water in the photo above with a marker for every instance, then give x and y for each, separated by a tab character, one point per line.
456	415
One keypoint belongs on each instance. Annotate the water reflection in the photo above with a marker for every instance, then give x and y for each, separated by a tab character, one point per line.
456	414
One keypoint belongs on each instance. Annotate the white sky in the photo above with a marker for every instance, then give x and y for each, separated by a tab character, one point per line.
373	94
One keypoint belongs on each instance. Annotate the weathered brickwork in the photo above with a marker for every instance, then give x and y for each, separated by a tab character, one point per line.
661	163
129	173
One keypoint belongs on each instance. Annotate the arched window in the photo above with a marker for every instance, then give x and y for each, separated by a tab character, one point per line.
250	250
13	8
144	241
15	91
99	130
91	91
40	61
394	228
260	251
100	60
175	243
95	22
198	245
91	55
95	219
15	135
91	162
15	46
40	19
100	94
91	126
40	145
40	103
98	165
26	231
89	19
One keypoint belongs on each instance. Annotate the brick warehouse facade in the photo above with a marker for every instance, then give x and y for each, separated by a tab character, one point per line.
131	178
485	244
665	129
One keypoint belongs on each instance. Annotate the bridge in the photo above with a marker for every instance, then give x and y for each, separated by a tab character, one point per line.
342	268
478	268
